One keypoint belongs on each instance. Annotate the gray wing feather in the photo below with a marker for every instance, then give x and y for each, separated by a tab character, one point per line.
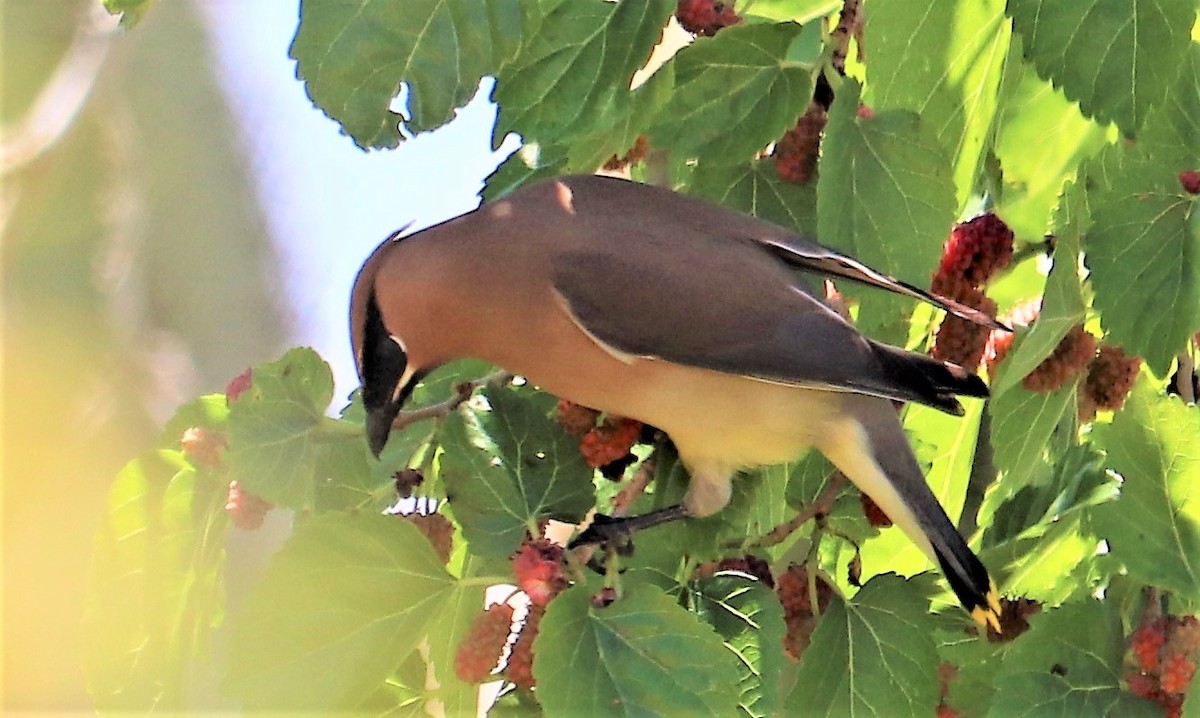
725	306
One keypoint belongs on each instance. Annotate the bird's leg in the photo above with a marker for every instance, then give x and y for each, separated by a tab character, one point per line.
606	529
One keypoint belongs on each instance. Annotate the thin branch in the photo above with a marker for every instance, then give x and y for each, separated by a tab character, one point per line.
1184	383
820	506
641	479
462	392
849	25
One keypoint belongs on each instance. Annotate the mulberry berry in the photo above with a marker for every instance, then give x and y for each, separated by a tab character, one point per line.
1072	355
538	566
238	385
1110	377
246	510
1190	179
977	250
610	441
479	653
202	446
705	17
796	153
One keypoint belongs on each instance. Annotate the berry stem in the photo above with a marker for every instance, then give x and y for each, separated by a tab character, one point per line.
462	392
820	506
1187	366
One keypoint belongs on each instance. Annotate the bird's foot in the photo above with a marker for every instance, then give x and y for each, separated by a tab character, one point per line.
619	531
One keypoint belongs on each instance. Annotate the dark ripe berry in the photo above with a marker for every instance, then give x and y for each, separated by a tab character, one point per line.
605	597
479	653
1110	377
202	446
538	566
792	589
1141	685
238	385
610	441
520	662
406	480
1147	641
575	419
796	153
1164	652
245	510
1014	618
875	515
705	17
977	250
1072	355
438	530
1177	672
1190	180
637	153
615	470
958	340
749	564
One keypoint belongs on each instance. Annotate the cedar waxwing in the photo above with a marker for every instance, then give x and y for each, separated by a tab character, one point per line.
691	317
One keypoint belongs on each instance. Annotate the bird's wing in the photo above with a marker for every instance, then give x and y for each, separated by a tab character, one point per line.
804	254
730	307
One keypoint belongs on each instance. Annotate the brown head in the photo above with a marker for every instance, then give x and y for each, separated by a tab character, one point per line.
380	357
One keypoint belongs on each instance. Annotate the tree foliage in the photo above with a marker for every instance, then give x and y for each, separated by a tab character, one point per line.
1077	123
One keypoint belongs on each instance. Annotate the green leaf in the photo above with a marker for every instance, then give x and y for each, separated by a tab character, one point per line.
749	618
131	11
944	61
274	429
1173	128
1049	560
1116	58
1062	302
736	92
1067	664
886	196
800	11
871	656
1022	424
642	655
1143	250
1154	527
352	58
507	464
576	67
1038	115
346	599
155	591
757	189
445	634
532	162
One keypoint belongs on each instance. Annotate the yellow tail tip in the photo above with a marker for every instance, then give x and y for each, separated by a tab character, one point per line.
989	615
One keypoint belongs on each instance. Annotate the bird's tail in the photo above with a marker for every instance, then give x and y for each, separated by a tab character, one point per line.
870	448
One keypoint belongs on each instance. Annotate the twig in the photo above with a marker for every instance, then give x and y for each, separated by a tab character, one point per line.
849	25
462	392
1183	378
820	506
641	479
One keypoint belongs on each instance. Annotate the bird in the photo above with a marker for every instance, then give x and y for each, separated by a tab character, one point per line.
697	319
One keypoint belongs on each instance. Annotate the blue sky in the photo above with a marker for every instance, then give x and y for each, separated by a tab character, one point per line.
327	202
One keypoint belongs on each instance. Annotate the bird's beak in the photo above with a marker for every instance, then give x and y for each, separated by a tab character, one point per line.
379	425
